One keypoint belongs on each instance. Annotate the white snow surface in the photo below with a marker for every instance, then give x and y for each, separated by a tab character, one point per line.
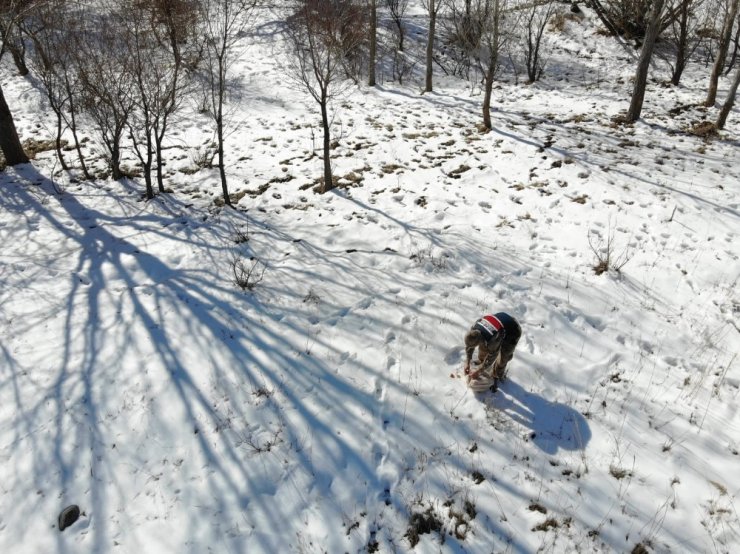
326	410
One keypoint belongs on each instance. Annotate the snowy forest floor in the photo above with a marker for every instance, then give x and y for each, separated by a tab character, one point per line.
326	410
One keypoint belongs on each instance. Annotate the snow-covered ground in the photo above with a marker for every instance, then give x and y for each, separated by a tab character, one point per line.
326	410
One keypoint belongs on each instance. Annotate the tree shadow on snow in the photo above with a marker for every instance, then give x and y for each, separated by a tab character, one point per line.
202	344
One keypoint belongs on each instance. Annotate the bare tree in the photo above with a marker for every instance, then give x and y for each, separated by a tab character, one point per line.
222	23
492	43
723	47
106	89
478	33
175	23
12	13
153	35
729	102
53	31
463	34
44	59
643	64
10	144
683	35
735	50
433	8
373	32
320	33
144	65
397	10
535	18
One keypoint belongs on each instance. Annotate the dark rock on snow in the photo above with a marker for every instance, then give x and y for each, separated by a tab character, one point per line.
68	516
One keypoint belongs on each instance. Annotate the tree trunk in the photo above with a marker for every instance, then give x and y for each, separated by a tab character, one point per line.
148	164
729	102
724	45
58	141
328	180
158	152
601	12
430	43
733	58
115	159
9	142
487	92
221	168
643	65
373	43
220	128
72	124
682	46
19	59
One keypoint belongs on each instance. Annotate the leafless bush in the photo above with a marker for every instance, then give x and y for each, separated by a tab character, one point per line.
421	523
247	274
628	18
463	32
534	21
203	156
257	446
426	255
606	257
241	236
403	66
312	297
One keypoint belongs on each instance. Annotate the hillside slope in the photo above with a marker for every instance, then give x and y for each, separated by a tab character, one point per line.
326	410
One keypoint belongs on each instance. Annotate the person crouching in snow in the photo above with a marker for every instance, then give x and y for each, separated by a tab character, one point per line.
496	337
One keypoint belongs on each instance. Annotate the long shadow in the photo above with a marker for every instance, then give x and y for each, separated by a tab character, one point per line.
213	316
587	159
554	426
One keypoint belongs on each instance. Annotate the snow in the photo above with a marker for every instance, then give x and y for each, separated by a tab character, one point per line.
326	409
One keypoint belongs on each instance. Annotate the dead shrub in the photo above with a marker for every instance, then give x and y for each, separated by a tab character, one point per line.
606	257
422	523
704	129
32	147
549	523
247	274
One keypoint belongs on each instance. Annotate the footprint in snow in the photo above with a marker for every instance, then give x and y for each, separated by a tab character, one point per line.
380	389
